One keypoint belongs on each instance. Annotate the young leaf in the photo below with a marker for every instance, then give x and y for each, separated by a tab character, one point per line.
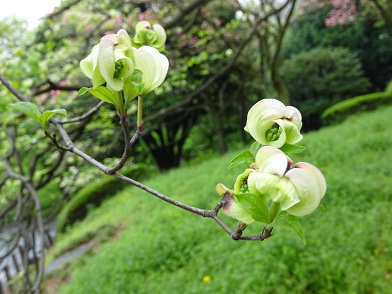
255	206
289	222
44	117
322	208
130	91
29	109
105	94
83	91
292	149
245	157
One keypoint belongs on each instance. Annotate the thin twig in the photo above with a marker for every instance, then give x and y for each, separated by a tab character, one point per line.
87	115
12	89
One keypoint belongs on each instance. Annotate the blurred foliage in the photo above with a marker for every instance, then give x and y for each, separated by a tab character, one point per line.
322	77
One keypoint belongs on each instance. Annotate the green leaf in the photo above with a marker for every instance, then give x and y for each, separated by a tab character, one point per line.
29	109
245	157
255	206
83	91
139	87
32	111
254	148
105	94
44	117
322	208
130	92
137	76
292	149
289	222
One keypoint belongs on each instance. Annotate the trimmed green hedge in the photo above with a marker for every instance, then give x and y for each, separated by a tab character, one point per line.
342	110
94	194
389	87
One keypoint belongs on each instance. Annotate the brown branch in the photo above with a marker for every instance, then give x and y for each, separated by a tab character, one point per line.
62	9
127	146
12	89
87	115
193	5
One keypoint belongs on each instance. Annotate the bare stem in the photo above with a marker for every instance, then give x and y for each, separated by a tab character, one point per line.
127	146
140	111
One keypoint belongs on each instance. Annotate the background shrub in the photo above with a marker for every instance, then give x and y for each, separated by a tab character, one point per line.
321	77
342	110
93	194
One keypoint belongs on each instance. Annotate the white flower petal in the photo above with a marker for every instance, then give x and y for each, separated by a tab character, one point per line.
310	186
261	116
154	66
290	133
272	160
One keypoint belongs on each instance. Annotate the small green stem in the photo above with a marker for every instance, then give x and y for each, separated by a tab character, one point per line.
140	111
121	109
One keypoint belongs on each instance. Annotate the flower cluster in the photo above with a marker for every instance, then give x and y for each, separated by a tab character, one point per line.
130	67
272	184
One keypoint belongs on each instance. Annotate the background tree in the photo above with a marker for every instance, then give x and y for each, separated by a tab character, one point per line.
354	25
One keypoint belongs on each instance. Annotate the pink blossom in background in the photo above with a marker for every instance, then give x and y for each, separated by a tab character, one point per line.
145	14
117	19
217	22
192	42
343	11
204	24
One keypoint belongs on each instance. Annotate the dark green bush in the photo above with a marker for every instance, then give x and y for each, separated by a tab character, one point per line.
322	77
341	110
93	194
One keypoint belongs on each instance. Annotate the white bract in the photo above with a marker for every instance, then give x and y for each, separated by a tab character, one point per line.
272	123
299	188
154	66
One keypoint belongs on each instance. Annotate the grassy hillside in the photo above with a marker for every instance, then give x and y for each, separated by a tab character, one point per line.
163	249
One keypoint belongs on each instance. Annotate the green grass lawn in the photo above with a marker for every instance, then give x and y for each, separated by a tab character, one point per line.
153	247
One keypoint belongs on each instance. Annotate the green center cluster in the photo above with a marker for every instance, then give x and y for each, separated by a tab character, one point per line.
273	133
119	65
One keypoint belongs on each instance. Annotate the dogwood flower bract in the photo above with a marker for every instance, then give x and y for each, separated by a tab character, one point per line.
154	66
299	188
151	35
110	61
272	123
